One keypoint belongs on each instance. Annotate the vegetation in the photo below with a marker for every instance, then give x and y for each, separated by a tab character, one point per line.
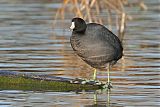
91	10
21	83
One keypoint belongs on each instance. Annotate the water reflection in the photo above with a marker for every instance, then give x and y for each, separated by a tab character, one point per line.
98	103
29	44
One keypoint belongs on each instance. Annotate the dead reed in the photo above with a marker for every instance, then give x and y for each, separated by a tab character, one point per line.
91	11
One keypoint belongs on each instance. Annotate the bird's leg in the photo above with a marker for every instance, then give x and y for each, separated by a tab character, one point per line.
95	74
108	72
109	82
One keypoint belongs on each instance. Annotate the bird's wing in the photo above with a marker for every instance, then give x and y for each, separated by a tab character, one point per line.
94	48
113	41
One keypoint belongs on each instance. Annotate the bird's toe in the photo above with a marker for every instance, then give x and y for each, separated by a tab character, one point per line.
109	85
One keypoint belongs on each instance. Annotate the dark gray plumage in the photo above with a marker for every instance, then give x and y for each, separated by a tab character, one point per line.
95	44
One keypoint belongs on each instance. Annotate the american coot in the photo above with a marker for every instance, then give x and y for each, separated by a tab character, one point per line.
96	45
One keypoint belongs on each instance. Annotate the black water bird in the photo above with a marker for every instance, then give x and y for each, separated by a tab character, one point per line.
96	45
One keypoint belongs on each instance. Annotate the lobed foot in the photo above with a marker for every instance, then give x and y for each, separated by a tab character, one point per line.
109	85
86	81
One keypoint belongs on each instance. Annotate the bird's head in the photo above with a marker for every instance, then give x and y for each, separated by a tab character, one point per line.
78	25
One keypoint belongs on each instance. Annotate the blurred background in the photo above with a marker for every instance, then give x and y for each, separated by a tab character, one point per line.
35	37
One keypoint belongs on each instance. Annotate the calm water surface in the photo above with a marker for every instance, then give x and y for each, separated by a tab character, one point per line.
28	43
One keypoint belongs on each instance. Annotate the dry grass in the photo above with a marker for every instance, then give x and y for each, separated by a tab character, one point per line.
91	10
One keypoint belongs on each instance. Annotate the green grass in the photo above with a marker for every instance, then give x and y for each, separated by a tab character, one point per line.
21	83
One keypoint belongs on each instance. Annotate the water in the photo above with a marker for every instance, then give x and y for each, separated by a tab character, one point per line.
28	43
